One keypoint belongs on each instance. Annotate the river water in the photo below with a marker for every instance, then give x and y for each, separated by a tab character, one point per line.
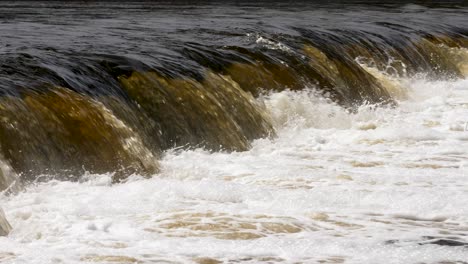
234	133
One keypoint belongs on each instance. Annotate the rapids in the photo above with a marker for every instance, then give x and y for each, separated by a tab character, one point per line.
233	133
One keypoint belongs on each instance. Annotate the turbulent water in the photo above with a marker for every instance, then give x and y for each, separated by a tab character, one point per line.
162	132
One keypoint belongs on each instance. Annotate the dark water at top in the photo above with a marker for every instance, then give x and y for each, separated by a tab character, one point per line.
158	33
78	80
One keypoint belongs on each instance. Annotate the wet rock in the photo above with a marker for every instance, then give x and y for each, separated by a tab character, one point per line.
9	180
5	227
451	241
444	241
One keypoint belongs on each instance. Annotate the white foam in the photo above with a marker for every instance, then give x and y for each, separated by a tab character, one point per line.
364	187
268	43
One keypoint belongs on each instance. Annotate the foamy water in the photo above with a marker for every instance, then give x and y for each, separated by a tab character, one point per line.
381	185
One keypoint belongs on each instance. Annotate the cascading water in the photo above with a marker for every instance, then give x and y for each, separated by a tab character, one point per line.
162	132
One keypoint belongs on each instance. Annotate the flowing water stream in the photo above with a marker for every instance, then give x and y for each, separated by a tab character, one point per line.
166	132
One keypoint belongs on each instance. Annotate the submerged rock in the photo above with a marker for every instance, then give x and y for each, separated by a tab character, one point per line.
5	227
9	180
